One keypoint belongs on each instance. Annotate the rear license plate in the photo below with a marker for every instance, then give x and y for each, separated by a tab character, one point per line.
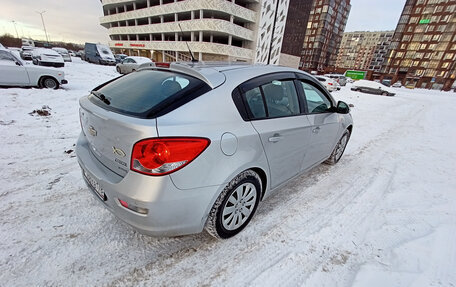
94	185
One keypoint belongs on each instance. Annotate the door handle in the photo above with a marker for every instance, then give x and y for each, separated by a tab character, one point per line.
316	130
275	138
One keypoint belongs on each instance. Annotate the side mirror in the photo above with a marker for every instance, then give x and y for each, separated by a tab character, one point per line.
98	54
18	64
342	108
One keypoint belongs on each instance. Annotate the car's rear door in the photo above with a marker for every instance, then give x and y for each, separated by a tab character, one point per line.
278	116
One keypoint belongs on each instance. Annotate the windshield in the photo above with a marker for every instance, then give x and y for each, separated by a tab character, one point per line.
153	91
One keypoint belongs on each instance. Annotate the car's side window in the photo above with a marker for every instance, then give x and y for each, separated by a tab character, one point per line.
7	59
281	98
273	99
316	101
255	102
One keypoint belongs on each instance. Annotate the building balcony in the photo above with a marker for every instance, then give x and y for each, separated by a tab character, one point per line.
210	25
178	7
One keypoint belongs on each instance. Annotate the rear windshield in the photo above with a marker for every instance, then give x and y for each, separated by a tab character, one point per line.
149	93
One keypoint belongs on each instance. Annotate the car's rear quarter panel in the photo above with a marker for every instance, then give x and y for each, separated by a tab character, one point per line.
210	116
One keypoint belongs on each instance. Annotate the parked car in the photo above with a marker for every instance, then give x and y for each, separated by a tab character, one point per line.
329	83
47	57
80	54
15	72
386	82
119	57
64	53
27	52
372	87
98	54
341	79
397	85
131	64
1	46
175	148
72	53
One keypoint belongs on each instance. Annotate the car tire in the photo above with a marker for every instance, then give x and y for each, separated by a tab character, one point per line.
385	94
339	149
239	198
118	70
49	83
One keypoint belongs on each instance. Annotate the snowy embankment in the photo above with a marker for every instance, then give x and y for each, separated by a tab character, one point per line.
384	216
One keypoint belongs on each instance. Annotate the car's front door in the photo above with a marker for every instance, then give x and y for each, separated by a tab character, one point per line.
12	72
129	64
278	117
324	123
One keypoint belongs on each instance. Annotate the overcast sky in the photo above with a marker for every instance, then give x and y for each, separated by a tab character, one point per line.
68	20
374	15
78	21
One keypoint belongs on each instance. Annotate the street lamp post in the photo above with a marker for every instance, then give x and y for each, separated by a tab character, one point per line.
42	20
14	23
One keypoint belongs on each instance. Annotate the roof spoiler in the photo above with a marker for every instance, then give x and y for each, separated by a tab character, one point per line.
210	76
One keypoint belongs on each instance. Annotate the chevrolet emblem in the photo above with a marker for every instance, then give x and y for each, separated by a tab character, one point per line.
118	151
92	131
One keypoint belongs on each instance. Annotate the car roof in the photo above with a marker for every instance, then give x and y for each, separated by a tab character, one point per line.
45	50
214	73
139	59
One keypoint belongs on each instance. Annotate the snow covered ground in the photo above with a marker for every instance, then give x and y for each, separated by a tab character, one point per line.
384	216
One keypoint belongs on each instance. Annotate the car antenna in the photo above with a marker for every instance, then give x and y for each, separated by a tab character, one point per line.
188	47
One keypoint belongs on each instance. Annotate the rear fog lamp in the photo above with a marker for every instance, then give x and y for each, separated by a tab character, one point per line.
133	207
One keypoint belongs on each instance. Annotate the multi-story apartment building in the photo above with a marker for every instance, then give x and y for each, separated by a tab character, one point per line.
225	30
381	50
423	48
324	32
363	50
221	30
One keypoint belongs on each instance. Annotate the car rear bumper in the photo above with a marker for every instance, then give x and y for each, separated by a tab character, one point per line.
170	211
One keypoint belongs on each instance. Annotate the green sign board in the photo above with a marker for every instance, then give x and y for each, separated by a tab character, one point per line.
355	75
425	21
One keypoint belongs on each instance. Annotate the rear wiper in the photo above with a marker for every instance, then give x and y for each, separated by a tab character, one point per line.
101	97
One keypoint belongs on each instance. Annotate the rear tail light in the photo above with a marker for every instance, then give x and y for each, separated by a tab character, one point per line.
160	156
330	84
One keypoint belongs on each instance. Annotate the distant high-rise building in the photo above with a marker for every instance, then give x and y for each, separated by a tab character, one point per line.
323	35
363	50
381	50
423	48
295	29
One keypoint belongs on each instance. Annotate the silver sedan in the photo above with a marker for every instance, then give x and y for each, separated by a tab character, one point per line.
176	148
131	64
